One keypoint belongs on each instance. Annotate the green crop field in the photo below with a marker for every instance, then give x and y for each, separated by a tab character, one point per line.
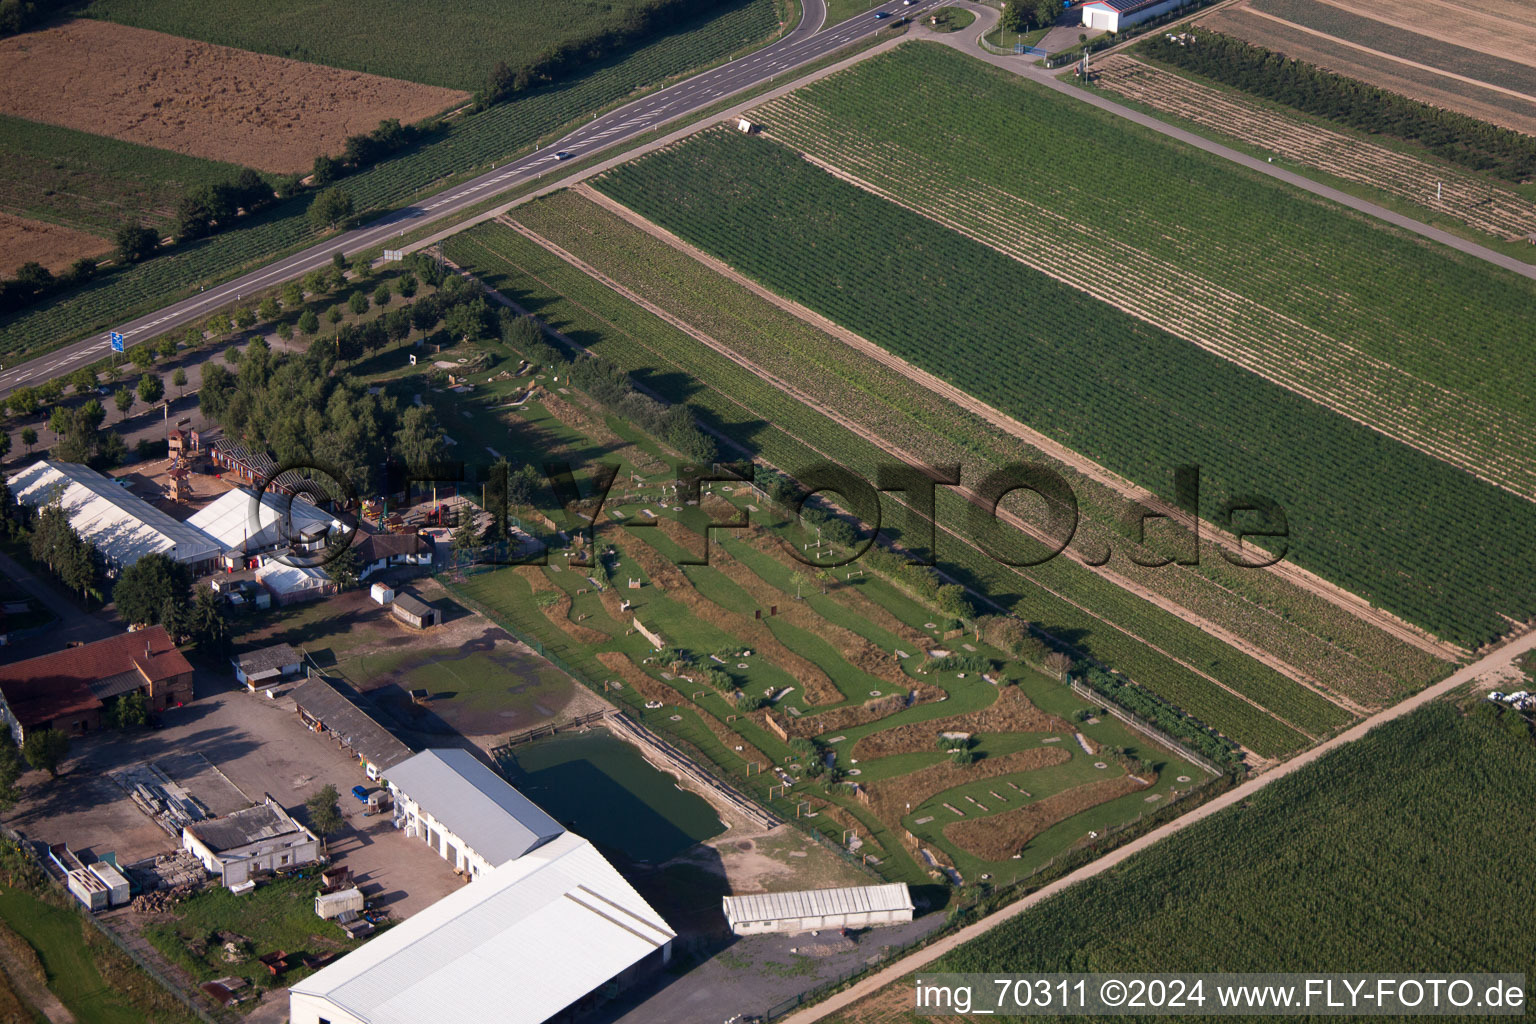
1377	517
1393	834
93	183
455	45
1300	629
1409	338
1099	617
470	144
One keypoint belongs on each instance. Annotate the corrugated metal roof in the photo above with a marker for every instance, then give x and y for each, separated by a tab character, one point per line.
123	526
476	804
266	659
264	821
780	906
1124	6
319	699
516	946
240	523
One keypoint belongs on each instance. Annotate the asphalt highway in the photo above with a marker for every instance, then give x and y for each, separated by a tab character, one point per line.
804	44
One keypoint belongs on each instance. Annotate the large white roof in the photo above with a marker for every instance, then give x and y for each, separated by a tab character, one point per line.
123	526
290	579
476	804
515	946
237	521
781	906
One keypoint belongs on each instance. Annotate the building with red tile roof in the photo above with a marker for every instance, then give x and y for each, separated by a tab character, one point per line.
66	690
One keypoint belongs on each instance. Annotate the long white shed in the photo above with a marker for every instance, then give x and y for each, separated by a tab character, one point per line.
814	909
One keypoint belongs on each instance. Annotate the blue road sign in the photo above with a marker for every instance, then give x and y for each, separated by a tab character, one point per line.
117	342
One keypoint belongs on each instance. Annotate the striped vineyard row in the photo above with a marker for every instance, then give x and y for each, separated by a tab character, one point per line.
1437	328
1466	197
1179	297
1381	519
1322	640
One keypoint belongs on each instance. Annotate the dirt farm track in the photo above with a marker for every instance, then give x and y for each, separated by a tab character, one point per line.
210	101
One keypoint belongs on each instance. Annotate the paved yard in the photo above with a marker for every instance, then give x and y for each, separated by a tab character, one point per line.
260	747
753	974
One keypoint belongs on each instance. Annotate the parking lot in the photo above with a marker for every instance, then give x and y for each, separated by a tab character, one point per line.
260	747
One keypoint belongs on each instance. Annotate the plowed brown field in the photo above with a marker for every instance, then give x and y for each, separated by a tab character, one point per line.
210	101
55	247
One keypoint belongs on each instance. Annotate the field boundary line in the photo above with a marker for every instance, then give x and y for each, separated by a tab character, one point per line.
812	403
1495	661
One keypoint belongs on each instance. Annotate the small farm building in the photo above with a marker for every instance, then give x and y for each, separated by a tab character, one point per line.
267	665
1117	15
814	909
260	838
67	690
378	551
324	708
413	611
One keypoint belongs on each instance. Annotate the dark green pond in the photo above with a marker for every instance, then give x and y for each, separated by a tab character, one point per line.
601	788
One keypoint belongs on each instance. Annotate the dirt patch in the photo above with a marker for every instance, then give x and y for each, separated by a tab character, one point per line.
780	860
1003	835
890	799
209	101
1010	712
55	247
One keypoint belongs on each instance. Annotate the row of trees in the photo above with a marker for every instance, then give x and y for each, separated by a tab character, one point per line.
157	590
54	543
1456	137
368	148
673	425
33	282
214	207
1023	15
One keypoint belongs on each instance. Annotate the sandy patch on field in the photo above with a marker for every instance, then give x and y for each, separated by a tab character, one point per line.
55	247
192	97
1509	32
